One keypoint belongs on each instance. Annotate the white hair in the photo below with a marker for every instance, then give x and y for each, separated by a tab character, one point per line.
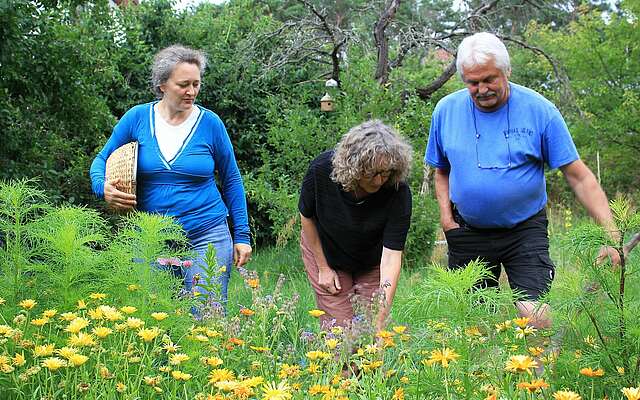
480	49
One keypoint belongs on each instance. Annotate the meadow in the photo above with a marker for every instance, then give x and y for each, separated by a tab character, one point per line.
84	316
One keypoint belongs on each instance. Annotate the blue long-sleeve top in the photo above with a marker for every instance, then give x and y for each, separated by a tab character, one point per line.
184	187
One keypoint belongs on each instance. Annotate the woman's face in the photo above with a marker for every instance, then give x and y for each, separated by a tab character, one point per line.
182	87
372	181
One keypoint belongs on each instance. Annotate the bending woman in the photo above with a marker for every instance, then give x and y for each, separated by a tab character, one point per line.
182	146
355	209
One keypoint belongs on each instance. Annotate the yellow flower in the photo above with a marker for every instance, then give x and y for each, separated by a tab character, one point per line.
177	359
227	386
28	304
404	379
592	373
318	355
259	349
39	321
526	331
133	287
316	313
223	374
97	296
102	331
289	371
535	351
104	372
371	348
371	366
18	360
149	334
159	316
44	350
6	330
318	389
49	313
81	305
170	347
81	340
121	387
398	394
520	364
332	343
77	325
443	357
53	363
631	393
522	322
281	391
384	334
399	329
180	376
77	360
68	316
472	331
313	368
152	380
67	352
134	323
503	326
111	314
566	395
253	381
96	313
620	370
2	301
7	368
128	309
212	361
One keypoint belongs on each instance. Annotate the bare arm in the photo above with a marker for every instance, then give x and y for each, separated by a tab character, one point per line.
444	202
592	197
390	264
327	277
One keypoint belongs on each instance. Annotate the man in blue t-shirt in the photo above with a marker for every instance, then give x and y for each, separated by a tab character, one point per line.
488	144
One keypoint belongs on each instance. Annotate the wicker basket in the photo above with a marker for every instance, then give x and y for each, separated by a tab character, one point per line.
123	164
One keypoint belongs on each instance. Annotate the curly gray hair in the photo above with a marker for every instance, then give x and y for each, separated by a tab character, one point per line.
367	147
166	60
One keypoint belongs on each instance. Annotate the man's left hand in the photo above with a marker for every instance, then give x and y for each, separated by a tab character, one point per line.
610	253
241	254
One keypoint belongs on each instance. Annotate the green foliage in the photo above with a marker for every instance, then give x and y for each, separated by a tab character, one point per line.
599	56
454	295
604	300
66	252
425	219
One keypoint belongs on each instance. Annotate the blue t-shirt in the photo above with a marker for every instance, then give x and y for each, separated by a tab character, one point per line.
496	159
184	187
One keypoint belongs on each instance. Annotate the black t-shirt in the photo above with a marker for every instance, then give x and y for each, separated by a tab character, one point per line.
353	231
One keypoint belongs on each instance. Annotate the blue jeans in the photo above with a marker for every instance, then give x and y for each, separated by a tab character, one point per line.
220	238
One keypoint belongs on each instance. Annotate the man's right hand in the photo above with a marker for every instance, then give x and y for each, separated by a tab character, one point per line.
449	225
328	280
117	199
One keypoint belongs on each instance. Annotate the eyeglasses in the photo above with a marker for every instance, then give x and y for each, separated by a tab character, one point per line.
478	136
383	174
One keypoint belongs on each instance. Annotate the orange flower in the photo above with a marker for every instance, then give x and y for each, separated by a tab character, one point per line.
247	312
534	385
592	373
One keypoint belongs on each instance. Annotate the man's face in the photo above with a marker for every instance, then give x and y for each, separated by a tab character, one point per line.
488	86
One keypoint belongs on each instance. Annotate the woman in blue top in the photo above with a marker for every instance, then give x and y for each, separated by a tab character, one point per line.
182	147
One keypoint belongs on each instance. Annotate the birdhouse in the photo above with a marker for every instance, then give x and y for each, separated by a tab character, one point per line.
326	103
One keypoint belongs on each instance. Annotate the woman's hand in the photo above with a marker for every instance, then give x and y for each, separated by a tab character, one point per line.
328	279
241	254
119	201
